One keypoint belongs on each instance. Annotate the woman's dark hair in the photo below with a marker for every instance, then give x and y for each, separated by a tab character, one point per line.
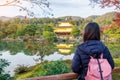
92	32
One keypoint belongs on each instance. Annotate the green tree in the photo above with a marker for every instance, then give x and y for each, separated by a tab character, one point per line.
30	29
50	36
75	31
48	27
1	34
20	33
6	23
11	29
1	24
16	20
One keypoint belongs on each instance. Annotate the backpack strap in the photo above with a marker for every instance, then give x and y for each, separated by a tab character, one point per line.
101	56
100	69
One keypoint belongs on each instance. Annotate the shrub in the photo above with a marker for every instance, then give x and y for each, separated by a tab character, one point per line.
51	68
56	67
21	69
114	50
4	76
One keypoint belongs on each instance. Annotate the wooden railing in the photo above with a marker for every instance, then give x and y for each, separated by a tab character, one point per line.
67	76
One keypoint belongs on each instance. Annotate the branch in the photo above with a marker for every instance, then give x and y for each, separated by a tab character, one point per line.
42	4
10	2
107	3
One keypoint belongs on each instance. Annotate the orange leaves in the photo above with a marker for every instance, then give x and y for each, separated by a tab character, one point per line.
111	3
117	19
107	3
104	28
112	27
116	3
115	26
118	14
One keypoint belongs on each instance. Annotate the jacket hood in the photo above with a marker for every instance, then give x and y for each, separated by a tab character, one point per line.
92	47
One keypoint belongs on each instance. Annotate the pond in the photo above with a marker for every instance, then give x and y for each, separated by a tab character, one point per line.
18	54
31	53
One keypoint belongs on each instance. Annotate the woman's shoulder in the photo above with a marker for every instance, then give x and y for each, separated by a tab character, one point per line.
81	45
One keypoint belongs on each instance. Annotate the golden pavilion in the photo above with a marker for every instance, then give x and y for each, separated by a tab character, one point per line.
63	30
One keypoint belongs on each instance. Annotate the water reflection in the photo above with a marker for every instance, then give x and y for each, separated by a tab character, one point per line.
64	48
57	56
18	59
14	48
21	58
29	53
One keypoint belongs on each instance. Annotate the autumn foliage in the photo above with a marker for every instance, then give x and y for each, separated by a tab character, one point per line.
110	3
107	3
116	20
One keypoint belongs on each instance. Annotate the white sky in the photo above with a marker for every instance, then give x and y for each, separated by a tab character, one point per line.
63	8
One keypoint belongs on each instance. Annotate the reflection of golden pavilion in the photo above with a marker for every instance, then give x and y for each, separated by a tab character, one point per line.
64	29
65	51
64	45
64	48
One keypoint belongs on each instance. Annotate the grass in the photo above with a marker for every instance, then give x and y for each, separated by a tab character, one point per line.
27	74
49	68
117	62
114	49
116	75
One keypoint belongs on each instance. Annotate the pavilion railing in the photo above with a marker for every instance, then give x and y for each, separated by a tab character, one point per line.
67	76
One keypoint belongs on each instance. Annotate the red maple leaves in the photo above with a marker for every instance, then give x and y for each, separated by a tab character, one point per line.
107	3
117	19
